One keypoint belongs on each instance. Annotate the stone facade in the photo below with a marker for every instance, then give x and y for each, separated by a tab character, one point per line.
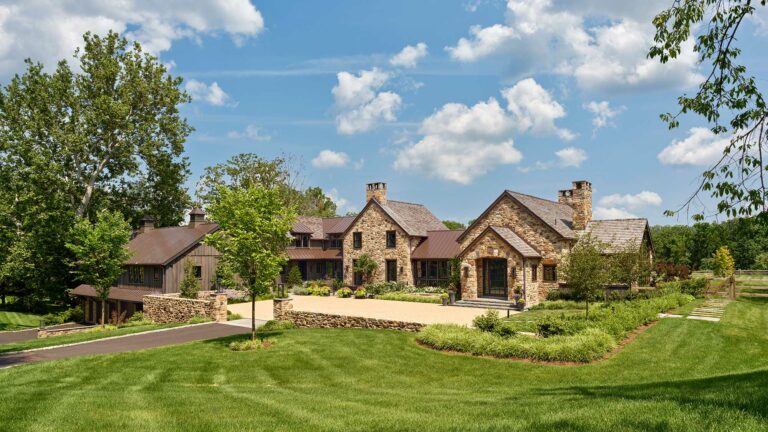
283	310
508	213
374	224
171	308
579	197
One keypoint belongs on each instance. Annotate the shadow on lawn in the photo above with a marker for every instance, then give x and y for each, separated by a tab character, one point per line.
747	392
225	341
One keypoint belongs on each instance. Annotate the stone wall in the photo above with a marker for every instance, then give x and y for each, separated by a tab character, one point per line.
373	225
283	310
171	308
46	333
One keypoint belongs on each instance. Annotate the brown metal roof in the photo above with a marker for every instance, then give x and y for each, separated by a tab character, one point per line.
617	232
313	254
516	242
321	227
337	225
124	294
438	245
162	245
300	228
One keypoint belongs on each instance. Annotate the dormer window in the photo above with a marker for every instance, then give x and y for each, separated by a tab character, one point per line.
334	241
301	241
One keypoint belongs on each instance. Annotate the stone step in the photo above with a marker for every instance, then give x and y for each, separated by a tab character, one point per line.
486	304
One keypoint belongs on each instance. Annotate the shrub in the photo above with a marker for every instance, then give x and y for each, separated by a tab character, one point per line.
102	329
558	294
250	345
505	329
198	319
294	276
190	285
360	293
300	290
722	262
387	287
344	293
74	314
424	289
487	321
137	319
401	296
554	326
558	304
316	290
696	287
273	325
233	316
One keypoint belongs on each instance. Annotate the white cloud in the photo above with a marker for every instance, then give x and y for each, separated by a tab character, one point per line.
342	204
534	109
460	143
212	94
251	132
360	107
330	159
603	113
357	166
409	56
701	147
571	157
618	206
47	30
602	44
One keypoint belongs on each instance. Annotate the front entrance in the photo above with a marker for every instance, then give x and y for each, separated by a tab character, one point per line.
495	278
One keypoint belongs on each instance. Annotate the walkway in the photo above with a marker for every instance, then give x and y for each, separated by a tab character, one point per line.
138	341
424	313
711	310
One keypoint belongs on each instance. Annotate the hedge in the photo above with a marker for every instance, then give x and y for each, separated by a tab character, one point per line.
401	296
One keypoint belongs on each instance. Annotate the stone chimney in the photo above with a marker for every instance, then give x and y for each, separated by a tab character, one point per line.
147	224
376	190
196	217
579	197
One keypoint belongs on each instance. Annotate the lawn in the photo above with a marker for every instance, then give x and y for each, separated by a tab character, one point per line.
18	320
678	375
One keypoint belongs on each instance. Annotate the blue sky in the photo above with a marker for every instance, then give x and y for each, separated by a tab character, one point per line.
491	95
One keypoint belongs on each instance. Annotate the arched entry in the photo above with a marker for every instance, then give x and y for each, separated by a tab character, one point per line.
494	278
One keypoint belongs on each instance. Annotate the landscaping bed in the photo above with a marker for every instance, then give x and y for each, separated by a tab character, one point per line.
408	297
560	337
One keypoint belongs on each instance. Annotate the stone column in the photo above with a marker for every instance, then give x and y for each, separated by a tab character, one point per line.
220	308
280	308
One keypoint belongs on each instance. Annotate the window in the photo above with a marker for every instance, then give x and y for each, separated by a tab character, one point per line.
391	239
357	275
199	271
301	241
534	272
357	240
391	270
158	274
335	241
136	275
550	273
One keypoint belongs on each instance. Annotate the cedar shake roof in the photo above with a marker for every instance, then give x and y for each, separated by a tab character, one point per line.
558	216
617	232
438	245
320	227
162	245
516	242
124	294
414	219
313	254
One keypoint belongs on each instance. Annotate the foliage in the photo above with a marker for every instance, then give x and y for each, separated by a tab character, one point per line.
254	225
557	304
317	290
248	170
138	318
360	293
629	264
586	269
722	262
761	262
559	294
668	272
454	225
487	321
294	276
198	319
406	297
233	316
74	314
344	292
387	287
696	287
251	345
707	264
274	325
366	266
300	290
455	274
100	252
736	180
190	285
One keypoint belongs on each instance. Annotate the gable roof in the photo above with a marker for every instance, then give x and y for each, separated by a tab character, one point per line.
319	227
510	238
616	233
438	245
160	246
557	216
415	219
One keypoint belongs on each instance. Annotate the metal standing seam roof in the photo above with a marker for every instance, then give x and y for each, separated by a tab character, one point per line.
160	246
616	233
438	245
313	254
320	227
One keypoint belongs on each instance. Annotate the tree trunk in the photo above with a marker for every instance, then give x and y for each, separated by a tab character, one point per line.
253	317
587	310
103	312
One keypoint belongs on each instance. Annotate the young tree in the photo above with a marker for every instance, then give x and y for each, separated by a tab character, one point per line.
190	285
101	252
737	179
586	269
722	262
254	232
367	267
629	264
294	276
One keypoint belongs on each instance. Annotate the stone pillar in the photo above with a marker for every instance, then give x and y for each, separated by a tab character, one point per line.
219	308
280	308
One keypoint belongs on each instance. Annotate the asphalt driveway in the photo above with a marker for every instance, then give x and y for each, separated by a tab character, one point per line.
132	342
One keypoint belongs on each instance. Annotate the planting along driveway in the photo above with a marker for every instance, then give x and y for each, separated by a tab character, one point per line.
138	341
424	313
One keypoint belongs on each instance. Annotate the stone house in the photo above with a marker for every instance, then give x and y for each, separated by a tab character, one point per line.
156	266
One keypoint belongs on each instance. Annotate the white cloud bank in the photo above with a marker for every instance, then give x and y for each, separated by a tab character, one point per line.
360	106
603	113
211	94
330	159
701	147
251	132
409	56
618	206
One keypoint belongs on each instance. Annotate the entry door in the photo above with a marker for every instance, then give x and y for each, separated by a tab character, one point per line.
391	271
495	278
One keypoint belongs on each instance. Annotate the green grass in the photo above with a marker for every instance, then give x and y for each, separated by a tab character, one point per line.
686	309
400	296
679	375
79	337
18	320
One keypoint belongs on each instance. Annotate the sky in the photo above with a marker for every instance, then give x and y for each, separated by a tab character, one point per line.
448	102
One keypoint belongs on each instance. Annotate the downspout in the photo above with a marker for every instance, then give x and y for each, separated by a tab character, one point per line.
525	267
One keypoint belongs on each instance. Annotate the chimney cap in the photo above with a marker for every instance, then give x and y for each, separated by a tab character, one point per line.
197	211
376	185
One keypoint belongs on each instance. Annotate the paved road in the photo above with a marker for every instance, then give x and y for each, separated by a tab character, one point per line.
23	335
126	343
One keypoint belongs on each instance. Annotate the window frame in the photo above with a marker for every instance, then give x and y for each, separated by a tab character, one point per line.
334	241
301	241
534	272
198	271
391	235
357	240
550	272
387	263
134	271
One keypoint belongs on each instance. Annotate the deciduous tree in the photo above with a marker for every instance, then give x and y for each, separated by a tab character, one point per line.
586	269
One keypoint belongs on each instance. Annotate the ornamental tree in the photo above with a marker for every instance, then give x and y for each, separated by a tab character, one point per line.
190	285
586	269
722	262
254	232
366	266
100	253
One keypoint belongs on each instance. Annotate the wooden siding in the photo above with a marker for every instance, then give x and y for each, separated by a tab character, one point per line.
202	255
150	282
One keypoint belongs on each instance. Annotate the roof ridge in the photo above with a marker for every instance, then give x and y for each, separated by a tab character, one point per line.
536	197
405	202
444	230
619	219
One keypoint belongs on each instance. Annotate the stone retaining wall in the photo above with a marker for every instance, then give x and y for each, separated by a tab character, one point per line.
172	308
283	310
45	333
